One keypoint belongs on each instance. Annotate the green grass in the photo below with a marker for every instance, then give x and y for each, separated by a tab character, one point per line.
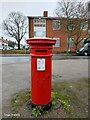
72	96
76	92
19	99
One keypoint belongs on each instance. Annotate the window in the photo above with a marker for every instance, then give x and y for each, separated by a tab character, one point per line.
70	42
56	24
57	42
39	28
84	26
70	26
39	34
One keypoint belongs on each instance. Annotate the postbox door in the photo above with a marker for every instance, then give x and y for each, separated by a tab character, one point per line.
41	80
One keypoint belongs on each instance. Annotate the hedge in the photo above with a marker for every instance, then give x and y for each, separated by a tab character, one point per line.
14	51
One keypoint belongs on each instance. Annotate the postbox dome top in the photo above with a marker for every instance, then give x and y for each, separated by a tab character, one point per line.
41	40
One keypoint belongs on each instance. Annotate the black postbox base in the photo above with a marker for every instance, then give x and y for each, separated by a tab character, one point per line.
45	107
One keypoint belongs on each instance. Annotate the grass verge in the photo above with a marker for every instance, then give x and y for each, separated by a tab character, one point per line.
71	97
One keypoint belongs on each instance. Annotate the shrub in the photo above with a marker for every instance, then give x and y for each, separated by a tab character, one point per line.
15	52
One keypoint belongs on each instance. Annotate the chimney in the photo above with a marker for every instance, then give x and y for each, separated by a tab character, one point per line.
45	14
1	37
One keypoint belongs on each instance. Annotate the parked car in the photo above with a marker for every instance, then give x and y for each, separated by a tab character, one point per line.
87	40
84	50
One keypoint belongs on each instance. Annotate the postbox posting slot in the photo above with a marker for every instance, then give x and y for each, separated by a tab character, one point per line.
40	50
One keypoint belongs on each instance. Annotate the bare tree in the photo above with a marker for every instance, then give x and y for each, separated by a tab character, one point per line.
15	26
69	10
82	18
66	8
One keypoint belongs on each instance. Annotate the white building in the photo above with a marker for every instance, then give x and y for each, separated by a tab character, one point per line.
3	43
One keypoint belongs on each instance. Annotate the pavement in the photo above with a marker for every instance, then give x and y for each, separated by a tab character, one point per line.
70	69
15	58
16	76
55	56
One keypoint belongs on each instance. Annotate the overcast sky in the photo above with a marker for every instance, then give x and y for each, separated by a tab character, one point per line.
32	8
27	7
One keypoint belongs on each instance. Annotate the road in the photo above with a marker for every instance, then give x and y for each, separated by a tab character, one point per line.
16	73
16	76
8	59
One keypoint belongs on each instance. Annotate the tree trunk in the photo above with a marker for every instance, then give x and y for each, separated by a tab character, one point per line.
68	45
76	47
18	45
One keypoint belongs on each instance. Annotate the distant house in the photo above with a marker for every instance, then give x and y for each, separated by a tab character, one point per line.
53	27
6	44
3	42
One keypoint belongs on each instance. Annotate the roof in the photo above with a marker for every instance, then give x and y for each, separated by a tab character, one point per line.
3	40
7	41
41	17
54	18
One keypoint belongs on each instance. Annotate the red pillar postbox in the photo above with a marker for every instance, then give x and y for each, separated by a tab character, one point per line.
41	69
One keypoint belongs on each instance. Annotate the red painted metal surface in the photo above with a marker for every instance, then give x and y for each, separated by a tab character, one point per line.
41	69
